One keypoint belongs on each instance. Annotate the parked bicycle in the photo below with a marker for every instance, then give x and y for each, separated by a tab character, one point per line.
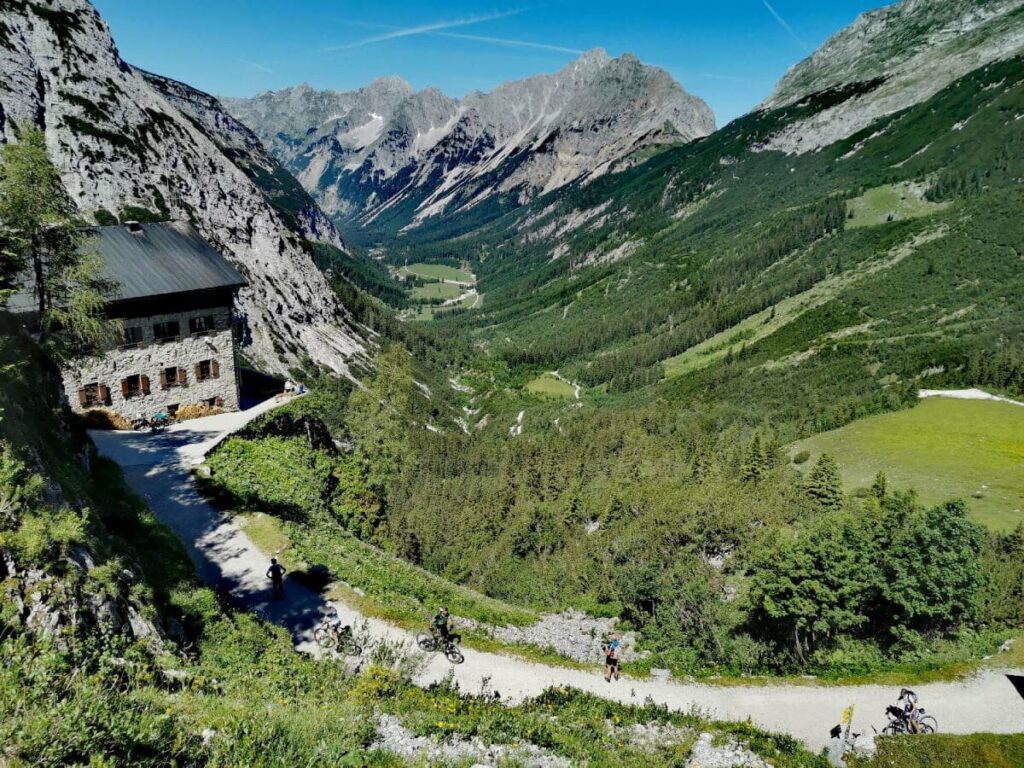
431	642
906	717
336	638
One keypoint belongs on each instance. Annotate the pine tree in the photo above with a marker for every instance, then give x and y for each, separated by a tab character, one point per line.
756	461
40	235
880	486
824	485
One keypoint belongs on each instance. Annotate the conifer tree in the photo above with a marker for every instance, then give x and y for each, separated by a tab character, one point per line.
824	485
42	241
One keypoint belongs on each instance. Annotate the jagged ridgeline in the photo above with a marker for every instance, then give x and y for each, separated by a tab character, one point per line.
386	158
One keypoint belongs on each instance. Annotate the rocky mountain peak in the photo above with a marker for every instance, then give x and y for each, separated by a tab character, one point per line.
898	56
437	154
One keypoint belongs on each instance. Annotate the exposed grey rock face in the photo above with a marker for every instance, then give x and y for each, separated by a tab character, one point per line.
386	150
121	141
393	737
918	47
730	755
573	634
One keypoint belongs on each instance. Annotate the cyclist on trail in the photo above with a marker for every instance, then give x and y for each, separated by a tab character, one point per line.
333	621
911	713
442	626
276	573
611	657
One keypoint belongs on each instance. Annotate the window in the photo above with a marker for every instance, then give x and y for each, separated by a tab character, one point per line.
214	402
207	369
172	377
204	324
93	395
132	336
134	386
168	330
172	410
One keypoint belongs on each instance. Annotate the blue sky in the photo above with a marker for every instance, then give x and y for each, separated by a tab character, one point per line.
729	52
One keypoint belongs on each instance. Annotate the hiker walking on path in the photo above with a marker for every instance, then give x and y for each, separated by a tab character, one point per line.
611	657
276	573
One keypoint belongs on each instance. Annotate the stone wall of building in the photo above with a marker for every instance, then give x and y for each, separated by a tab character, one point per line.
150	358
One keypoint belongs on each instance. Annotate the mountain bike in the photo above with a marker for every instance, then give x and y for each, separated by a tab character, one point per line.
431	642
340	640
898	722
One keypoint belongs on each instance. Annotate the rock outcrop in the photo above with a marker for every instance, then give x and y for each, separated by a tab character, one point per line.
895	57
126	141
385	152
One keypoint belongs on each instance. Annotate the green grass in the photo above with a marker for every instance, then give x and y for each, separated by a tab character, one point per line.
401	591
547	385
438	272
898	201
943	448
444	291
980	750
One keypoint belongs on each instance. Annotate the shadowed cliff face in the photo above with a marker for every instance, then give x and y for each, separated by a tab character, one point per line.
367	153
126	139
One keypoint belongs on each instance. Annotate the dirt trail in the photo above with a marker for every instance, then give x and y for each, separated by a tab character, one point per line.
158	468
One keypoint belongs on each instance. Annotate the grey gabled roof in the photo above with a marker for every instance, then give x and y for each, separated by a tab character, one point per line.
156	260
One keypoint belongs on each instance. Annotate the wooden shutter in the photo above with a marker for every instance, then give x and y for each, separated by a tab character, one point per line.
163	379
145	384
199	372
181	377
104	394
124	388
82	398
219	402
215	369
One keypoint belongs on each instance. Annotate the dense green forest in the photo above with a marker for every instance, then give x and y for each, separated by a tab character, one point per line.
759	306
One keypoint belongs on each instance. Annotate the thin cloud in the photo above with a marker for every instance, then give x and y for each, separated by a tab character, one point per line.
257	65
506	41
421	29
786	26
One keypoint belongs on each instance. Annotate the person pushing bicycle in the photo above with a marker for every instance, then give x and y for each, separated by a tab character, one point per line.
442	626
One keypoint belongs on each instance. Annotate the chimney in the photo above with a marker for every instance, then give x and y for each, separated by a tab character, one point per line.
134	227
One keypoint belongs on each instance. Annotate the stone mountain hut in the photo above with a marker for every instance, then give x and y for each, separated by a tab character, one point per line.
174	297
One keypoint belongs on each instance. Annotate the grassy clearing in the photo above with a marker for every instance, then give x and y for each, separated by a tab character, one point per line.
892	202
980	750
437	272
444	291
409	592
548	385
944	449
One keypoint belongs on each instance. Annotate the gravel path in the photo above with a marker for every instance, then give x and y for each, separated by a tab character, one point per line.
966	394
158	468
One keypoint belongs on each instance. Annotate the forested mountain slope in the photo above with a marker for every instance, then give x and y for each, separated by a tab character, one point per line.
890	255
138	146
385	157
715	303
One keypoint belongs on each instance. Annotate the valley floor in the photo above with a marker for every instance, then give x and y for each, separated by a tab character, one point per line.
159	468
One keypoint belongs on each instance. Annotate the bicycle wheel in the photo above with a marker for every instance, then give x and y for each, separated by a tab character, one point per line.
352	648
426	642
892	729
324	637
454	655
929	724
